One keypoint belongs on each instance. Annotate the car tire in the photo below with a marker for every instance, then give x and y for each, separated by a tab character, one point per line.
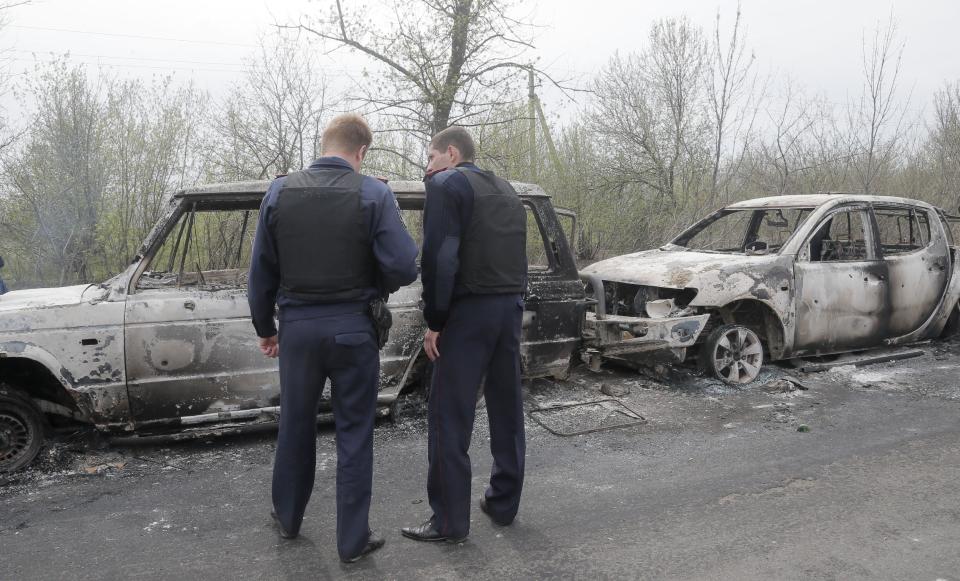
732	354
22	430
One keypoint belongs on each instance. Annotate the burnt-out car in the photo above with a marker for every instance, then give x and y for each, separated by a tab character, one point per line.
778	278
167	345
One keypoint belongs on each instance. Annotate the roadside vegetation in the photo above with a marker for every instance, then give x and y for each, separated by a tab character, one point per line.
684	122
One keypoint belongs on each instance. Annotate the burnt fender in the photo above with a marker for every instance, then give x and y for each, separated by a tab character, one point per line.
99	404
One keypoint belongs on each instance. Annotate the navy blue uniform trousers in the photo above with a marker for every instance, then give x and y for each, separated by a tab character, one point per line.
343	348
480	338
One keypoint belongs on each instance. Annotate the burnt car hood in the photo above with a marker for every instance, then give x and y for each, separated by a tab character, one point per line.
40	298
669	268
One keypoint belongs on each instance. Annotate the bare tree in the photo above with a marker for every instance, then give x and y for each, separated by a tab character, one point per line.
86	182
154	136
790	118
733	98
6	6
944	145
271	122
60	174
440	62
877	118
651	113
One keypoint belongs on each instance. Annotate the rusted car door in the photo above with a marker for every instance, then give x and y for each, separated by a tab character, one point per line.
555	305
842	287
915	249
190	346
399	355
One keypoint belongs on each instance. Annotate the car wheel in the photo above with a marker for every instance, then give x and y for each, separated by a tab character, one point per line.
733	353
21	430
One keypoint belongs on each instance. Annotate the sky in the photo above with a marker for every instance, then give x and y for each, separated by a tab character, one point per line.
816	43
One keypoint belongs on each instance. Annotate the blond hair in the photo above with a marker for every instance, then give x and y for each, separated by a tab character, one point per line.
346	133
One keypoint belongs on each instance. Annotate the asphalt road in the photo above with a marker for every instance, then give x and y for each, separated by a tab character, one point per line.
716	484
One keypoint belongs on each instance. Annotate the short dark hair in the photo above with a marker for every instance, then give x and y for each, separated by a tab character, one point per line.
457	137
348	132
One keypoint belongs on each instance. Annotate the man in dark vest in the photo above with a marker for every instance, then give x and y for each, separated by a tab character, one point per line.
474	271
3	287
329	241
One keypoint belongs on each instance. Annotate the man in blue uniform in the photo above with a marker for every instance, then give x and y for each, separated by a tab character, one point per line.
329	241
474	270
3	287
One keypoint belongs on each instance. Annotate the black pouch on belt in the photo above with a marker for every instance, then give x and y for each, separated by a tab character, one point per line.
382	320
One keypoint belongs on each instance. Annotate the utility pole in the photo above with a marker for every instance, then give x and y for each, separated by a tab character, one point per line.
537	115
551	146
532	114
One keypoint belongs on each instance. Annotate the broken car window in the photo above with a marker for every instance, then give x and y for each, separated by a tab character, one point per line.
569	224
750	231
841	237
208	249
725	232
774	227
537	258
902	230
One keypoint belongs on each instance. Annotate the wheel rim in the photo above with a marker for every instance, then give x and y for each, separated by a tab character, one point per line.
738	356
15	437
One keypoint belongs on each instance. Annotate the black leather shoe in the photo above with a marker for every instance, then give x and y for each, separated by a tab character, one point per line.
279	525
373	543
496	520
429	534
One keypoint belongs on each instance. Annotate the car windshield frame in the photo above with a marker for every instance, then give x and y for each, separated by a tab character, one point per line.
753	222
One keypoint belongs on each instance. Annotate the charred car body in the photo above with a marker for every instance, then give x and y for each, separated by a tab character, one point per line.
168	343
780	278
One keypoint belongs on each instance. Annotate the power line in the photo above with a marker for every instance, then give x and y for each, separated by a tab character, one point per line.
135	58
119	35
342	73
133	66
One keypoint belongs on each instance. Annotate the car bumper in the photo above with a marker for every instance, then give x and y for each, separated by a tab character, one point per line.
616	335
620	337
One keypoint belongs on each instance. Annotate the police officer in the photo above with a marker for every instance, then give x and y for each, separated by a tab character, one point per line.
3	287
474	270
329	240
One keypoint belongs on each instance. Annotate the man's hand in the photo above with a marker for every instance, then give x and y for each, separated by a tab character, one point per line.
430	341
269	346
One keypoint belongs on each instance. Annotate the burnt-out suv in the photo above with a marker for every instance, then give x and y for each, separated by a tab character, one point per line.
780	278
167	345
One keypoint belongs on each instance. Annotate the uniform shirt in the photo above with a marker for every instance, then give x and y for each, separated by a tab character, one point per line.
393	248
447	213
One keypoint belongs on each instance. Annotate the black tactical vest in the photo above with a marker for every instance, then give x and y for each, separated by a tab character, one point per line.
322	239
493	250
